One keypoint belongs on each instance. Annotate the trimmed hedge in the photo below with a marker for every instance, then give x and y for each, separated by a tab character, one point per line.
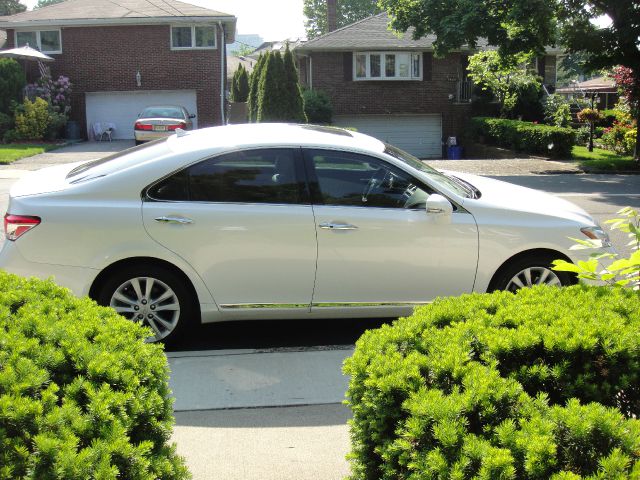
537	385
81	394
532	138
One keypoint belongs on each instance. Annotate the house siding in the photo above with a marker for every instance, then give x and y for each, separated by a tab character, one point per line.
106	59
393	97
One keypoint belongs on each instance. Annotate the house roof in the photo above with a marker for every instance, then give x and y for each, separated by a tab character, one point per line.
598	84
234	62
117	12
373	33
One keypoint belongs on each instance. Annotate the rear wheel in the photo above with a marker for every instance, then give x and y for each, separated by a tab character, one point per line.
529	271
151	295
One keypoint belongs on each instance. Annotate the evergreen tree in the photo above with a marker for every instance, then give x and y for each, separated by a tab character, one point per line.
243	85
235	93
271	94
294	106
11	7
254	85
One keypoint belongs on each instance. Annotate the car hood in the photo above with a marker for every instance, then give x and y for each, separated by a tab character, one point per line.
501	195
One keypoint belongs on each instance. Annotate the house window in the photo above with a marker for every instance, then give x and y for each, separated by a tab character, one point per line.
387	66
193	36
47	41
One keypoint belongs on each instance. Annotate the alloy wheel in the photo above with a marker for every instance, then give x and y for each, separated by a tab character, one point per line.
531	276
149	301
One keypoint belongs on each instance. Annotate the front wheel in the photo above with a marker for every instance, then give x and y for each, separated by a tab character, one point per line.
150	295
530	271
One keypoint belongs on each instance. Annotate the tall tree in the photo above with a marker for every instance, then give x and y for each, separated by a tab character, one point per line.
294	107
11	7
347	12
271	95
528	26
254	86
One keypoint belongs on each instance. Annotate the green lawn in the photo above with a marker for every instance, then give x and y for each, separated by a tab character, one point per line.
603	160
12	152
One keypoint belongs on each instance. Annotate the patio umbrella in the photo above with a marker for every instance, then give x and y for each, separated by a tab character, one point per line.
26	53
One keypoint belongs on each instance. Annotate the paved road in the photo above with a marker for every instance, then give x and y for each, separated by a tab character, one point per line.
288	373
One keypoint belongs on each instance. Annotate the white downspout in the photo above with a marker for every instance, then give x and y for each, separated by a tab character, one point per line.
223	73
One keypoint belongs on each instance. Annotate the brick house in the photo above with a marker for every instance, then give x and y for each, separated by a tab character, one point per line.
122	56
393	87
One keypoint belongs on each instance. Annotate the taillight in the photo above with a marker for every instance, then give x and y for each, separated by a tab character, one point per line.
142	126
17	225
175	127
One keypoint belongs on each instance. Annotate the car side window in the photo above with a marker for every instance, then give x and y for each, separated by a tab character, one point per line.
250	176
350	179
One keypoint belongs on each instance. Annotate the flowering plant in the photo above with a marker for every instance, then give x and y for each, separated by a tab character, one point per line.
56	92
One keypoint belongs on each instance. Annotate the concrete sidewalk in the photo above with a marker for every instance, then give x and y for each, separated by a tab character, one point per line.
268	415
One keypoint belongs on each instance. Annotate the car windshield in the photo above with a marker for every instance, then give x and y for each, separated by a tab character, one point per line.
162	112
448	182
118	161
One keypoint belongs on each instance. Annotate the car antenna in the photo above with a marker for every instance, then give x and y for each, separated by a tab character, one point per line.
180	132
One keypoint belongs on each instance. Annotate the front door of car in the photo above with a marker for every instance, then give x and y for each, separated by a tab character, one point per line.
244	222
376	242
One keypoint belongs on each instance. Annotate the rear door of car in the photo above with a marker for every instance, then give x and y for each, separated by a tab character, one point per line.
244	222
376	243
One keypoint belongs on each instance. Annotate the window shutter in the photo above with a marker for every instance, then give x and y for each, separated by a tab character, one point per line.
348	66
427	67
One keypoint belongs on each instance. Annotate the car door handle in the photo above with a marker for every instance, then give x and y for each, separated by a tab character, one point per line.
337	226
180	220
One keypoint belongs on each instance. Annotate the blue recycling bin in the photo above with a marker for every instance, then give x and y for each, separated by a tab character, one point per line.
454	152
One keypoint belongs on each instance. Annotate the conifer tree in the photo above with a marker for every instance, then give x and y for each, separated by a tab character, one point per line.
243	85
254	85
271	96
294	106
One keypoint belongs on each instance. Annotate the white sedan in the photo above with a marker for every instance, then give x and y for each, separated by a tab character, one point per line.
274	221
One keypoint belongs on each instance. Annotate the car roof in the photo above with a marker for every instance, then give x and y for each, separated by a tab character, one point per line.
273	135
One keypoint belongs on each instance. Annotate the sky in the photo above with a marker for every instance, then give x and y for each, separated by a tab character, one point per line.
274	20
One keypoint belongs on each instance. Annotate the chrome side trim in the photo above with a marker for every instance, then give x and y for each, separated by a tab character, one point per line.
238	306
366	304
248	306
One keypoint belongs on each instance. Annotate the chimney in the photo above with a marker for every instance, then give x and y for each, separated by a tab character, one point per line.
331	15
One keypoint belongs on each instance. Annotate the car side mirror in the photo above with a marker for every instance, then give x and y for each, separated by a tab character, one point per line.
192	115
439	208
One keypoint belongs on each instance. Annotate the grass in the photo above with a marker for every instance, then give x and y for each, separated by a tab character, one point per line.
12	152
603	160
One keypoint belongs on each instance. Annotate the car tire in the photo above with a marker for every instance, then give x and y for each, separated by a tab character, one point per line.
153	296
529	271
139	142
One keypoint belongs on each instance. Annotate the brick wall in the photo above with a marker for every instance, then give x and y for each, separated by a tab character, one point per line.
99	59
394	97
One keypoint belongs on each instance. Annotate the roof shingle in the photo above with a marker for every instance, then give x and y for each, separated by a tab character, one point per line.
95	10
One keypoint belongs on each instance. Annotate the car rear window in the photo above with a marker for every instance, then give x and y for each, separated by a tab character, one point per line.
162	112
119	160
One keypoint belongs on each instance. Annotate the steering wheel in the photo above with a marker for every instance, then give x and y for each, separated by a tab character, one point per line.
376	179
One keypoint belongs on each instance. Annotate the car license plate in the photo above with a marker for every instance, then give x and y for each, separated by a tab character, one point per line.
159	128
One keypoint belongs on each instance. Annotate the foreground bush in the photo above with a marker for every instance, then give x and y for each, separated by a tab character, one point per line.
525	137
501	386
81	395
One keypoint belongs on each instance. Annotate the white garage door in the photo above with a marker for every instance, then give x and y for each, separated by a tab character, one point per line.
420	135
122	108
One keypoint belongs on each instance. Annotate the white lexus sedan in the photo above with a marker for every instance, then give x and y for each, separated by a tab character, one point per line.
272	221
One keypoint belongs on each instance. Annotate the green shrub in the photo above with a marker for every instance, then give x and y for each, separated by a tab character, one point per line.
12	81
33	122
317	106
524	136
501	386
6	124
81	394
